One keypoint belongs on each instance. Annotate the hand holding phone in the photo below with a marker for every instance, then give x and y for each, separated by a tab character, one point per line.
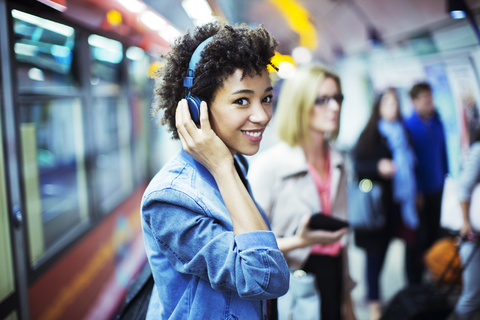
320	221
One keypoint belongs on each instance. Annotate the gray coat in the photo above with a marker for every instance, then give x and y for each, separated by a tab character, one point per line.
282	186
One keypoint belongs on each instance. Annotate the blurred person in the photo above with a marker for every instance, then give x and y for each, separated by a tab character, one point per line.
469	301
383	155
209	246
302	175
428	140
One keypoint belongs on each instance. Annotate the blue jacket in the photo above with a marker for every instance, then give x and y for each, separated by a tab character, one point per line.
428	141
201	269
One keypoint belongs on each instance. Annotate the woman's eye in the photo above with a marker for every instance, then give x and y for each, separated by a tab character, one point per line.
242	102
267	99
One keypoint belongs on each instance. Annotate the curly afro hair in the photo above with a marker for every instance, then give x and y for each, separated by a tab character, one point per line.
232	48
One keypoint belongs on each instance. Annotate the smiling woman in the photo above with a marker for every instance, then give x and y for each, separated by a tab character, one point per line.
241	110
209	246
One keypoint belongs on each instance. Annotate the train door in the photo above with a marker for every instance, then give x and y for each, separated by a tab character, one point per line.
13	274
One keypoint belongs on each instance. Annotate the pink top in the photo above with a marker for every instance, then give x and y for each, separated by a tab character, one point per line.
323	188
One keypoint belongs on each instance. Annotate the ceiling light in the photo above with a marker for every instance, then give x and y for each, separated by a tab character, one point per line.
133	5
152	20
285	70
457	9
458	14
198	10
301	55
169	33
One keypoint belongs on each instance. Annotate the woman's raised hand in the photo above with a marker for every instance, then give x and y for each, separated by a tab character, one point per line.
202	143
311	237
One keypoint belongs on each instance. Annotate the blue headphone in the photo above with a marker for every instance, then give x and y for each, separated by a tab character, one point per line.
194	101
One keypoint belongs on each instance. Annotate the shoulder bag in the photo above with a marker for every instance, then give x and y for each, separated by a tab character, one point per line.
365	208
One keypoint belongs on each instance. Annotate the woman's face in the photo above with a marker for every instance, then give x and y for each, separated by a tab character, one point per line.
325	114
240	111
389	106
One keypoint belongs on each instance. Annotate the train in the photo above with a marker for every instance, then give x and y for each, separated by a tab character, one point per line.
79	144
79	147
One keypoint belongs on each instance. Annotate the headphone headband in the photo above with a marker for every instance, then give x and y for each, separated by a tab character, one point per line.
196	56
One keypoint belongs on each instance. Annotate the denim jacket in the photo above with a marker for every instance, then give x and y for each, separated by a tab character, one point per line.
201	269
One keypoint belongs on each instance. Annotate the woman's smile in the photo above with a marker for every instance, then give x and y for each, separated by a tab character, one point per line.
241	110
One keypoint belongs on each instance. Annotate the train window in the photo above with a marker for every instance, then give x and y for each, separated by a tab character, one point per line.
106	57
54	173
112	128
44	51
7	286
140	89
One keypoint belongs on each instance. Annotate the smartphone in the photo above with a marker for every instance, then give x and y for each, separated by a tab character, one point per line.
320	221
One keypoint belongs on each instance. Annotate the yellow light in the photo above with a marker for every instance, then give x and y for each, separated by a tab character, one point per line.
279	58
114	17
299	20
153	69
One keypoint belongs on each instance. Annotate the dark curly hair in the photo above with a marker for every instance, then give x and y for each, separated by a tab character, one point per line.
231	48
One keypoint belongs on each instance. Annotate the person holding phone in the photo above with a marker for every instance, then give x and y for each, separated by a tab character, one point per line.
209	246
303	175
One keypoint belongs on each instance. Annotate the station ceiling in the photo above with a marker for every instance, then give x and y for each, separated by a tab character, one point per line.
329	28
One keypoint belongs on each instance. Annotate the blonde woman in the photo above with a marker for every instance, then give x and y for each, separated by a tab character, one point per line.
303	175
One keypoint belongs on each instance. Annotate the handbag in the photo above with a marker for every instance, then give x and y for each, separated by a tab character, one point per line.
443	261
136	302
302	301
365	205
451	212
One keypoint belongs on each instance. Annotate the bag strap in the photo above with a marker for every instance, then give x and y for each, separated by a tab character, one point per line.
137	294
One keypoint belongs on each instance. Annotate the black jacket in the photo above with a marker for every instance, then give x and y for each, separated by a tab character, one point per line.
366	168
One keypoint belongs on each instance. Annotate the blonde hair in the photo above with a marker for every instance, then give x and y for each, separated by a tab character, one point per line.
296	100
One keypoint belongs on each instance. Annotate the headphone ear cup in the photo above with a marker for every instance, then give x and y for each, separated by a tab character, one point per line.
194	107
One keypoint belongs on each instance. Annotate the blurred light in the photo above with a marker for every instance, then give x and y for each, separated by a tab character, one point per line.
133	5
36	74
135	53
153	67
152	20
457	8
301	55
107	50
279	58
46	24
285	69
365	185
169	33
198	10
94	81
104	43
114	17
458	14
25	49
60	51
299	20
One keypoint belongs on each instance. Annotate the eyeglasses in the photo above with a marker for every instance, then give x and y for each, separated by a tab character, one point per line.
324	100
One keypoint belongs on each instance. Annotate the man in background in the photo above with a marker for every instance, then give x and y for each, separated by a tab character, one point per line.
428	139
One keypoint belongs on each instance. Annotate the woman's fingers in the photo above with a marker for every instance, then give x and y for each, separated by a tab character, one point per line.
204	120
182	120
